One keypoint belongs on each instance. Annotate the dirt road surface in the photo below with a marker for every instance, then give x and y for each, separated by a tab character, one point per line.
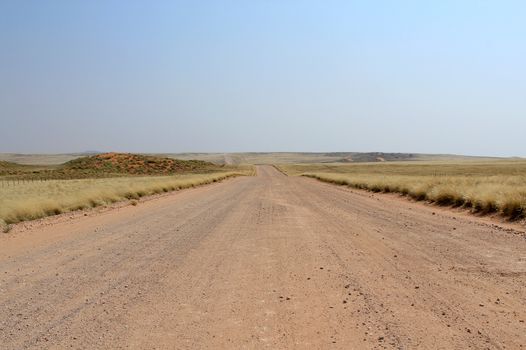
265	262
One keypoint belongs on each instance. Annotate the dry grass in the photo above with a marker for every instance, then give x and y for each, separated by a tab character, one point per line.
483	187
33	200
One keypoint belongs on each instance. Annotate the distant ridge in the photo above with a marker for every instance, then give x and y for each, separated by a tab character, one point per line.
257	157
321	157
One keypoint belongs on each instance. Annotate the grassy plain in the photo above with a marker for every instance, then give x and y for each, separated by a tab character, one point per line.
35	199
482	186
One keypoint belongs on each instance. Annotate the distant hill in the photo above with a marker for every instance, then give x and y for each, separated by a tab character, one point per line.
376	157
134	164
107	165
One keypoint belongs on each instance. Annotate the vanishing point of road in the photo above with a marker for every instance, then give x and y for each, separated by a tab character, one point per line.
265	262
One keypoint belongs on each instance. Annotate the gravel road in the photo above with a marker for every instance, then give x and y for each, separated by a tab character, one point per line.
265	262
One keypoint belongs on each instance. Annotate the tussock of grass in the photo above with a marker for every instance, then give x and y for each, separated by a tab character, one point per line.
30	201
487	187
4	227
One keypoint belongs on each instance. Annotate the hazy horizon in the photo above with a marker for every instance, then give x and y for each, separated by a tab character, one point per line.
254	152
300	76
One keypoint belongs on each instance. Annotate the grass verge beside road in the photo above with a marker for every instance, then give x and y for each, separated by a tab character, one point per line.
483	187
33	200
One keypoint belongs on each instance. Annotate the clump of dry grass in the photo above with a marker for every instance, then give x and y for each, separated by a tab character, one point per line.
33	200
4	226
486	187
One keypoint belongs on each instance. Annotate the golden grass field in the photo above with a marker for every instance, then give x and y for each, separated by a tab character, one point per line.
482	186
30	200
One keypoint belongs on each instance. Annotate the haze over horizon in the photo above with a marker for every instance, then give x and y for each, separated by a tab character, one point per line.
301	76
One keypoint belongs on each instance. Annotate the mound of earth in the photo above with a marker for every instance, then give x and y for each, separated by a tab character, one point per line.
135	164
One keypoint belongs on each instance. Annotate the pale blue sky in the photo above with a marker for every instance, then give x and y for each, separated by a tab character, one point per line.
269	75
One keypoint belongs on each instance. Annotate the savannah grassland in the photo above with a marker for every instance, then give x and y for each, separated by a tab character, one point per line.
485	187
24	195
